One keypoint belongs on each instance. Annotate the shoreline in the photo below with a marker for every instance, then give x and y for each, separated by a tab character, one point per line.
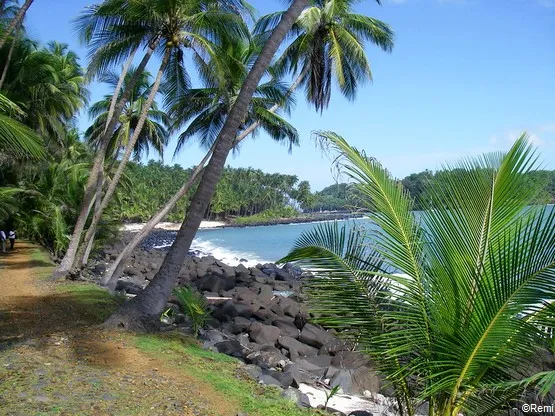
209	225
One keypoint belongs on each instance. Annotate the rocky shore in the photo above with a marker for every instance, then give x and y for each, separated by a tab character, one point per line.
259	316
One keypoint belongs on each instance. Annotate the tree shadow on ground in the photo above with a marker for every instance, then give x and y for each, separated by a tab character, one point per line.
67	318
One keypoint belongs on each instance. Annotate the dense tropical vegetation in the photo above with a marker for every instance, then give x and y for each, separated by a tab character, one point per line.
455	305
449	323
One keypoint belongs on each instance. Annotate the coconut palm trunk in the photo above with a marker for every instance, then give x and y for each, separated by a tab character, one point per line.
89	236
97	205
124	71
16	21
114	272
145	308
98	164
10	55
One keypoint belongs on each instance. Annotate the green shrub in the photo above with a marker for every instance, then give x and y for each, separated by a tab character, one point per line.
194	305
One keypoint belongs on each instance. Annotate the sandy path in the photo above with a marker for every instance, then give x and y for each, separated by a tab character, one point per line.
54	358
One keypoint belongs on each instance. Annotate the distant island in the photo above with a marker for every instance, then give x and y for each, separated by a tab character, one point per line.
249	197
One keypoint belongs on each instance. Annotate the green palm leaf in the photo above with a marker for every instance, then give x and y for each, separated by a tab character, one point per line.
471	302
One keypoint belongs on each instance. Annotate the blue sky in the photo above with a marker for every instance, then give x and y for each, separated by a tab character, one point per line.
465	77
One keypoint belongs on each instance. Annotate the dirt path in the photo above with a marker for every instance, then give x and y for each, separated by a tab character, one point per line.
55	360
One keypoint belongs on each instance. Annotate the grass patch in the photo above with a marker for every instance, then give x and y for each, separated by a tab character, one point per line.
98	302
222	372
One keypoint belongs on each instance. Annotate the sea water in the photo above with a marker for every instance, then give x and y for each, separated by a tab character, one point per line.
247	245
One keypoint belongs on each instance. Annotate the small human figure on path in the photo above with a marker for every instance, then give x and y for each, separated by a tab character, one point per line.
12	237
3	240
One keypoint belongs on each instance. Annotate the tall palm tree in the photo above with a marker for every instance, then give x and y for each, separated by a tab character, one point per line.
120	26
15	22
8	10
181	28
155	133
149	304
327	42
50	84
204	110
455	303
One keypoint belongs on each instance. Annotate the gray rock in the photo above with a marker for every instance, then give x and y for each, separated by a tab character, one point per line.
310	368
265	295
231	347
315	336
296	396
232	328
212	335
264	314
281	286
264	334
242	323
356	381
287	327
298	375
301	349
300	320
284	379
319	360
361	413
266	360
350	360
213	284
290	307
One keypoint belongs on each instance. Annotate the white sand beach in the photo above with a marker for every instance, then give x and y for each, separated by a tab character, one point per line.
171	226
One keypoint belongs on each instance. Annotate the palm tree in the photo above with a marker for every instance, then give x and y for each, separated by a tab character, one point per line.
8	9
16	139
205	111
15	22
155	133
453	304
50	84
120	26
149	304
181	28
328	42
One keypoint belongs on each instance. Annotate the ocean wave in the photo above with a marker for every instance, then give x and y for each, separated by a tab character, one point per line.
225	255
203	248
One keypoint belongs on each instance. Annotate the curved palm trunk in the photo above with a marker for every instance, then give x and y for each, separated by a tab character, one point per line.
98	164
114	272
116	268
146	307
119	86
89	236
16	21
10	55
97	203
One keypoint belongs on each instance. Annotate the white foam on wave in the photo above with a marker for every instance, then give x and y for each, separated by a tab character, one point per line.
210	248
227	256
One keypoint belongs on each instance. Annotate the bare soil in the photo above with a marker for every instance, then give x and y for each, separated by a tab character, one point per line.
55	359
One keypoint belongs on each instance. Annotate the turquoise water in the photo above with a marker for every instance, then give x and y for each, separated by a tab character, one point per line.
249	245
255	244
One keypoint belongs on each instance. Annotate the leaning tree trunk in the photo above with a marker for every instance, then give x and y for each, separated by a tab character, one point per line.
144	310
10	55
121	80
89	236
16	21
114	272
69	258
116	268
97	204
